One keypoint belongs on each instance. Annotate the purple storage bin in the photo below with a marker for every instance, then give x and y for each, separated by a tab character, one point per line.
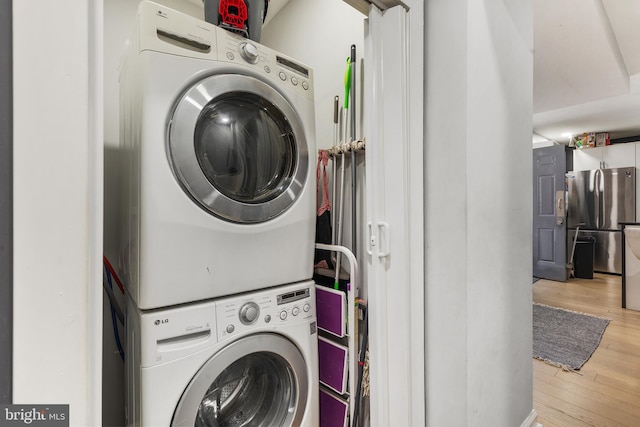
332	364
333	410
331	310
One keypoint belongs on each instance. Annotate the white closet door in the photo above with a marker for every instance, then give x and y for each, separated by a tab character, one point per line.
395	200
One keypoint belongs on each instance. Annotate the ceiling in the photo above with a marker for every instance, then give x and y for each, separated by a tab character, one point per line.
586	68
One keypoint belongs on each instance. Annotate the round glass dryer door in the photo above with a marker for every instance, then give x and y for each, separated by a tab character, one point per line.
238	148
258	381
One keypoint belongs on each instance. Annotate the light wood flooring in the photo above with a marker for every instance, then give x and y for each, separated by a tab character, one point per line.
606	391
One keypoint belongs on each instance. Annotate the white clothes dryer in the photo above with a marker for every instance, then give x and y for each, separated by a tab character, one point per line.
248	360
217	142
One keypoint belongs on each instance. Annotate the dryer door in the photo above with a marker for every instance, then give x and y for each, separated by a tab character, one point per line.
238	148
260	380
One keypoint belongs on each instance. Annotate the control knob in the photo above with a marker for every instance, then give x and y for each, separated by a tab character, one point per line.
249	52
249	312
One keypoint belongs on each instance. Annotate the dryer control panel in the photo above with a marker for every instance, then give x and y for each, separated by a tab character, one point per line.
266	309
169	31
286	72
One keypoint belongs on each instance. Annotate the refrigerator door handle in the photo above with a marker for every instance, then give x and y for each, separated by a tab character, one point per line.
603	200
598	196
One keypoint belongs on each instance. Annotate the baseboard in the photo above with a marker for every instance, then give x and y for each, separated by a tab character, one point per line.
531	420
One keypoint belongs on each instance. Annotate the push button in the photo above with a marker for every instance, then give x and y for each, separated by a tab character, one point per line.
283	315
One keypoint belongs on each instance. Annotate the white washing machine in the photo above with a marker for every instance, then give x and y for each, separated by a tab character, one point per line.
217	142
249	360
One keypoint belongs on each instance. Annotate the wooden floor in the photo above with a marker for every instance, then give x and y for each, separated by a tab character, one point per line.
606	391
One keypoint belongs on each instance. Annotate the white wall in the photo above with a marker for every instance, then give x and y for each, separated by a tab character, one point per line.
478	212
58	205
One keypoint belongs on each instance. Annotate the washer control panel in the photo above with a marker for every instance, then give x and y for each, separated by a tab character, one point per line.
249	313
268	308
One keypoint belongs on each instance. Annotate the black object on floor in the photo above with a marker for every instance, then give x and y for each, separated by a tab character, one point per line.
583	258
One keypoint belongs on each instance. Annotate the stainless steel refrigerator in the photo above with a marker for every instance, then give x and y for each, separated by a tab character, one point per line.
598	200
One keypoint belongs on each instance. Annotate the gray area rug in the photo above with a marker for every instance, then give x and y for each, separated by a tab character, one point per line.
565	338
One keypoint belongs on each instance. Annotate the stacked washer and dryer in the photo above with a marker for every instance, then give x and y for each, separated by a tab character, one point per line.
217	137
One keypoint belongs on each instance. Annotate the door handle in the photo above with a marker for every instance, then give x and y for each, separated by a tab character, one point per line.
598	197
383	233
384	226
559	207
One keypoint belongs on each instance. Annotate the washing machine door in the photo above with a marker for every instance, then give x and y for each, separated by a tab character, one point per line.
258	381
238	148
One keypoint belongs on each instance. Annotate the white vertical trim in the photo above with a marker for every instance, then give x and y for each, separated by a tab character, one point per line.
393	195
58	208
415	194
95	209
373	129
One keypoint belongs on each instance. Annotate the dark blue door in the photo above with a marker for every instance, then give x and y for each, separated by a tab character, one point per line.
549	219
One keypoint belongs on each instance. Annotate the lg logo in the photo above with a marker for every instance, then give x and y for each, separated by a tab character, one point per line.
161	321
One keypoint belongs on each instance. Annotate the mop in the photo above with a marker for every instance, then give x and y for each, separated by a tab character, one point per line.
362	387
570	266
336	137
347	86
354	200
